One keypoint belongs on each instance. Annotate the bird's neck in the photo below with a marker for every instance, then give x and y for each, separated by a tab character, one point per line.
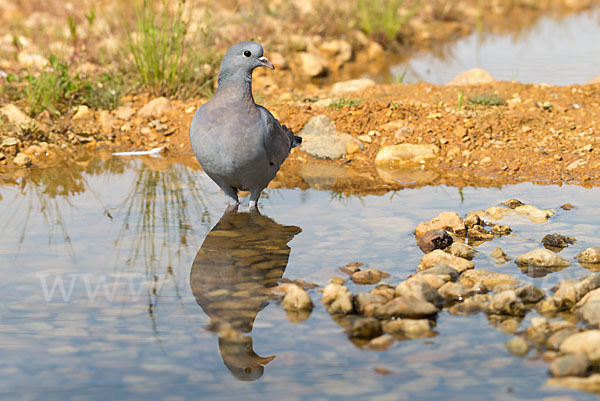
236	86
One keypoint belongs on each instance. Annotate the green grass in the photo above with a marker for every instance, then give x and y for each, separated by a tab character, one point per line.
342	102
167	57
380	17
56	89
486	99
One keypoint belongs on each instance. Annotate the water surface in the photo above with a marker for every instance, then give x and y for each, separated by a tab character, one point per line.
124	279
554	51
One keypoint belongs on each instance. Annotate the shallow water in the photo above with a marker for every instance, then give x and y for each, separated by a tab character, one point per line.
141	313
555	51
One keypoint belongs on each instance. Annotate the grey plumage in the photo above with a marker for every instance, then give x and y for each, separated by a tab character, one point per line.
239	144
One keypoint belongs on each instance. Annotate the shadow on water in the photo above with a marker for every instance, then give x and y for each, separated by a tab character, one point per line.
240	260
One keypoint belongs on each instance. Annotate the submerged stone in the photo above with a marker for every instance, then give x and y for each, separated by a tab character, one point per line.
441	258
589	255
541	258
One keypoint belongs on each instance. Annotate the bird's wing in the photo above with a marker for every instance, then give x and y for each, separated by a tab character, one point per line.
277	138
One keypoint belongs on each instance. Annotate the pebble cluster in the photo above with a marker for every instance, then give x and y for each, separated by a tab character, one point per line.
446	281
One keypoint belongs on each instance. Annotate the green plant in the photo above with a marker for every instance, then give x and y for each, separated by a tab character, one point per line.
461	97
167	57
341	102
400	77
55	89
486	99
381	17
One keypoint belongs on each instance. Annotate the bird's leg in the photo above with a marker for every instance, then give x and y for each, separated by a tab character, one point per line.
254	195
232	194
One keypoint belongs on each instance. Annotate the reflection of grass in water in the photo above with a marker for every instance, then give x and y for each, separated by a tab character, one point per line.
345	197
49	191
157	214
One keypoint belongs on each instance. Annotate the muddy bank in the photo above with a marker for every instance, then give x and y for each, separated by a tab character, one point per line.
537	133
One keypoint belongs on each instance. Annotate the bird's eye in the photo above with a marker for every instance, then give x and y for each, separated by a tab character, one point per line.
247	53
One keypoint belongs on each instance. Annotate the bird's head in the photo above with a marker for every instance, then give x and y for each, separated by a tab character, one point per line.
243	58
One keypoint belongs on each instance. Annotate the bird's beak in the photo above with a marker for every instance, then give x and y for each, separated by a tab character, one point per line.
266	63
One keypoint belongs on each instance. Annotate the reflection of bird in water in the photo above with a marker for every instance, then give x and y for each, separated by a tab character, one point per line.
242	257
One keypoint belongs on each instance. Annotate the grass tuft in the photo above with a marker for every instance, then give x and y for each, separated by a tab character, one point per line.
381	17
56	89
168	58
342	102
486	99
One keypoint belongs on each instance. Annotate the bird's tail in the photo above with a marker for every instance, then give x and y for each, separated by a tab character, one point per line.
296	141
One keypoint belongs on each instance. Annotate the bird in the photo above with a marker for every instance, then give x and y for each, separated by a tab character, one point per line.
240	144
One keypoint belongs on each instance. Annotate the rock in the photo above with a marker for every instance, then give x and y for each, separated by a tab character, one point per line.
434	239
512	203
296	298
569	292
457	291
500	256
555	240
107	121
506	303
590	312
412	328
365	327
385	290
449	221
352	148
15	116
2	156
479	233
535	215
558	337
337	299
472	77
406	153
22	160
341	51
156	108
446	273
570	365
365	138
82	112
312	65
410	307
530	293
517	346
320	139
419	288
585	343
351	86
441	258
489	279
473	219
471	305
461	250
536	336
541	258
435	280
589	255
365	303
124	112
500	229
351	268
368	276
